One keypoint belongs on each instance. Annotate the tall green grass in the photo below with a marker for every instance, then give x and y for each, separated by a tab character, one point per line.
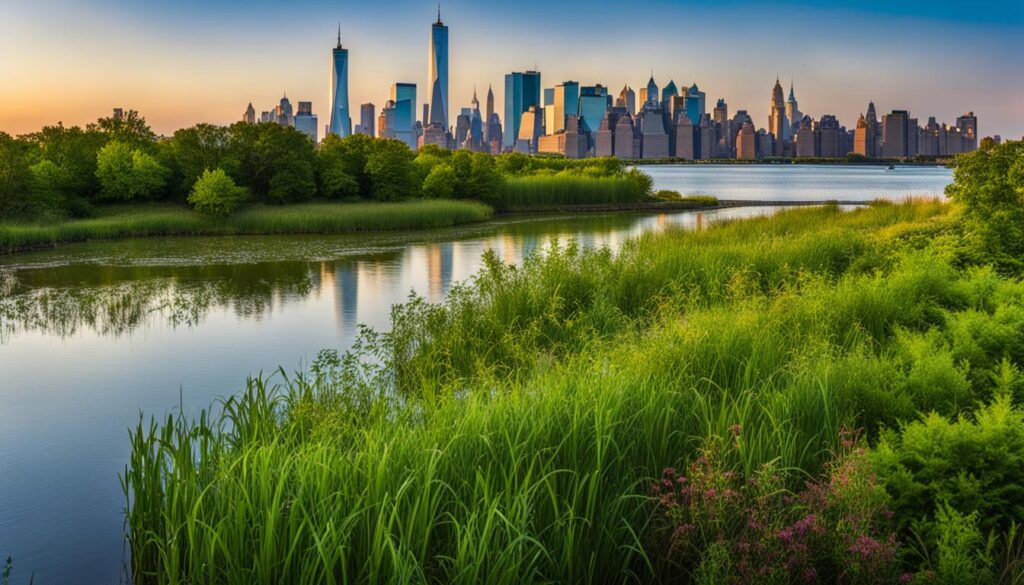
568	189
509	435
306	218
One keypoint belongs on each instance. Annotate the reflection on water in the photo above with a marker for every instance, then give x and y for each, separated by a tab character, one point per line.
113	300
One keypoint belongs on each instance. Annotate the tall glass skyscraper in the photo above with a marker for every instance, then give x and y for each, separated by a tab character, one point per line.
341	121
404	96
438	73
522	90
594	102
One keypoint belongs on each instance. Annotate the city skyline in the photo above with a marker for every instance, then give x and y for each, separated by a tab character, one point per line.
969	65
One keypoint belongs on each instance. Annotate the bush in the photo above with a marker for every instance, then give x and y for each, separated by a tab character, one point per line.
989	184
216	194
15	178
748	529
974	463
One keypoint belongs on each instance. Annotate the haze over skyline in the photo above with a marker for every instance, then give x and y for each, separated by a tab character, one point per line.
187	62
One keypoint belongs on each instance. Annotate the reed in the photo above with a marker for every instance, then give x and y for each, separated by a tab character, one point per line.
511	433
325	218
568	189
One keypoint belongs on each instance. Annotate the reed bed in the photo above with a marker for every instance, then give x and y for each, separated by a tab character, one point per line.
567	190
260	219
510	434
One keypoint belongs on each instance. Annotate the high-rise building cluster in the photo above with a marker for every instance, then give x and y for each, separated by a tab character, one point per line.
303	120
579	121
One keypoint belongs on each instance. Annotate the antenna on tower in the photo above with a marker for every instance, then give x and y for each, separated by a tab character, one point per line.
339	33
439	13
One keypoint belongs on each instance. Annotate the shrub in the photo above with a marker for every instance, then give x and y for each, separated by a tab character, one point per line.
216	194
749	529
989	184
974	463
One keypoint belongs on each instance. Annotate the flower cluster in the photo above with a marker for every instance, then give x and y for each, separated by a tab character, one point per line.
835	528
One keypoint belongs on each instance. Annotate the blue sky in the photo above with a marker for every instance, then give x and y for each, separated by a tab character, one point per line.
189	61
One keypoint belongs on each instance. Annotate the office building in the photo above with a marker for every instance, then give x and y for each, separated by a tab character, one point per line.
522	91
367	115
404	126
305	120
438	74
340	120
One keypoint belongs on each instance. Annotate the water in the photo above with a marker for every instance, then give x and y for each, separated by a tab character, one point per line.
801	182
93	334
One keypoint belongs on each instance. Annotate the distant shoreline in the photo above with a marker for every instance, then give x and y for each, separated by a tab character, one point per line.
875	162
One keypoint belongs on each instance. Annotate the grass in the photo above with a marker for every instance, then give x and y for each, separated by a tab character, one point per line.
168	220
568	190
509	435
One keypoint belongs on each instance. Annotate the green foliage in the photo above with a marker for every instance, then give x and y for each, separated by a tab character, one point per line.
440	183
15	178
276	163
165	220
128	174
131	129
195	150
511	432
392	173
74	151
989	184
570	189
974	463
215	194
961	556
347	155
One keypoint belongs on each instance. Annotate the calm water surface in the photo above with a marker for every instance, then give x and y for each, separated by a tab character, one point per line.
93	334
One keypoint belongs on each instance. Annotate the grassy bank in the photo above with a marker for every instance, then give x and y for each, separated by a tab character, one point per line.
519	193
168	220
523	431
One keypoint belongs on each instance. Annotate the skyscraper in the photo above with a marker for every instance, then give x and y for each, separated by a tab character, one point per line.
565	102
522	90
404	128
438	73
249	117
793	115
341	121
777	119
696	104
305	120
594	102
895	127
366	119
628	97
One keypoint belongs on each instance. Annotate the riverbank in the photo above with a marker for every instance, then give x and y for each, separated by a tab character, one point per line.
319	218
854	161
158	220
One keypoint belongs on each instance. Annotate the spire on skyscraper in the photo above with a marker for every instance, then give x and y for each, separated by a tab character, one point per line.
792	95
339	34
439	13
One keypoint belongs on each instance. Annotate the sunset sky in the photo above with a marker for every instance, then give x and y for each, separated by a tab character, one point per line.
202	61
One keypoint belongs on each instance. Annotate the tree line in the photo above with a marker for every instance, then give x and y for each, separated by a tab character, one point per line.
61	172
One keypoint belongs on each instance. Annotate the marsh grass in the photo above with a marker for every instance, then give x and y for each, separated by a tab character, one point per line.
509	434
167	220
568	189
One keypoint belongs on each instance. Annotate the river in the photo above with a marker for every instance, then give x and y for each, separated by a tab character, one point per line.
93	334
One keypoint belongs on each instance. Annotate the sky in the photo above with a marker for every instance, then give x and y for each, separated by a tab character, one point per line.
180	62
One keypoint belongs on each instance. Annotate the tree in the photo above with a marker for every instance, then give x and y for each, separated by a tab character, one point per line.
440	183
277	163
989	185
15	178
216	194
130	128
49	187
349	155
391	170
74	150
126	174
194	150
